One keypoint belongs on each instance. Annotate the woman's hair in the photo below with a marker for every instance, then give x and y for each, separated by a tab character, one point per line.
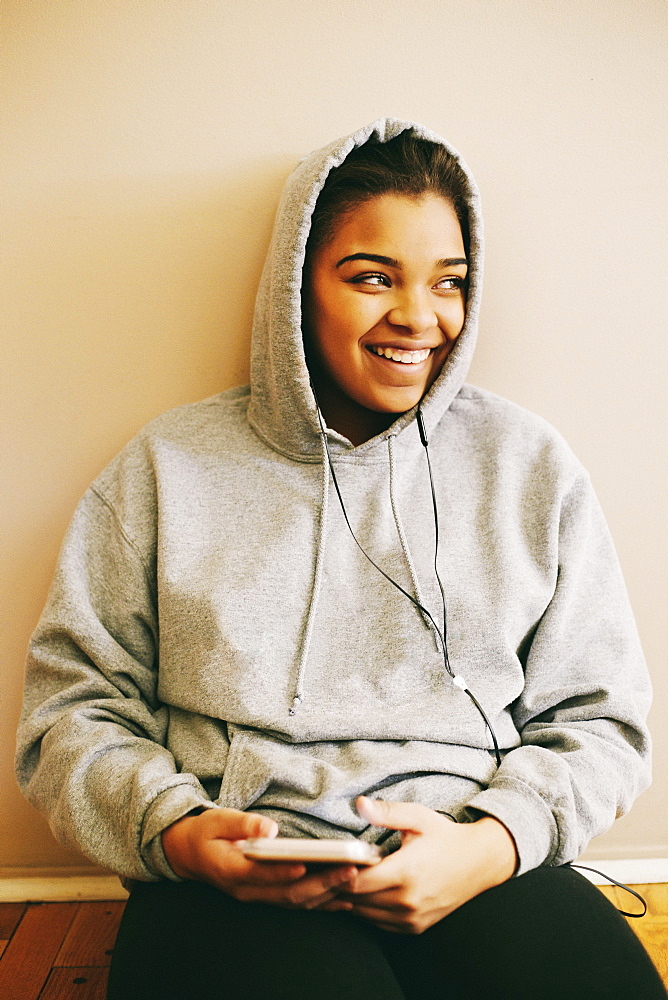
406	165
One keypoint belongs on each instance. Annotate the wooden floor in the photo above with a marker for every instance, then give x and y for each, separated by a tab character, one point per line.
61	951
652	929
56	951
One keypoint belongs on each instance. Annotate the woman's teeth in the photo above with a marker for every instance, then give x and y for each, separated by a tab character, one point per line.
405	357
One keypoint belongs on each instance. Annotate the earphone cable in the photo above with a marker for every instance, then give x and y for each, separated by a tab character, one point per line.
359	546
458	681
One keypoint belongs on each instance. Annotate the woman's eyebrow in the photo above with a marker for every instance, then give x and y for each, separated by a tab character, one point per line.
452	262
391	262
378	258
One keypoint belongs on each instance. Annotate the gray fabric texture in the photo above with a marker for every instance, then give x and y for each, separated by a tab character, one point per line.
214	637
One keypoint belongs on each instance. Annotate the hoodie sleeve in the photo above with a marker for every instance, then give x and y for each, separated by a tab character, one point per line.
585	749
91	750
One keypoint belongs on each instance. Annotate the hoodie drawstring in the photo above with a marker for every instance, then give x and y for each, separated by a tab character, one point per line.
320	560
315	590
404	543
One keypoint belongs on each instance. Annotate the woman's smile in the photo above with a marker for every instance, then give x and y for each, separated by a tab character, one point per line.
384	303
404	356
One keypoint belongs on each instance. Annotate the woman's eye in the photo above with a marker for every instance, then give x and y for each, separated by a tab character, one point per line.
452	281
374	279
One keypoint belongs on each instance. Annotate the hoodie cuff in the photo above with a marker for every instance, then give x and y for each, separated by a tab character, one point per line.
172	804
525	816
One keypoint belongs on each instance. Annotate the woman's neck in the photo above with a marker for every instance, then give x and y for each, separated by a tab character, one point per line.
344	415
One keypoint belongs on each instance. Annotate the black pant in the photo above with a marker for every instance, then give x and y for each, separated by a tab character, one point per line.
547	935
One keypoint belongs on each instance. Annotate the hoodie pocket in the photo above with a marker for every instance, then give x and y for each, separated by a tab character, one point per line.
247	774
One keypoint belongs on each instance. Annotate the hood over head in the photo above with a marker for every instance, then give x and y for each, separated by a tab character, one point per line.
282	408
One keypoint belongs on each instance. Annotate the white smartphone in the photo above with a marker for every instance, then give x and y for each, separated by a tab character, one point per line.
334	852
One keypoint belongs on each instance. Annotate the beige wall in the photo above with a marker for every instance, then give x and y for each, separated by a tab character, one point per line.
146	144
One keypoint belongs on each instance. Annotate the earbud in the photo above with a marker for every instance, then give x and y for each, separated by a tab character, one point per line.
421	427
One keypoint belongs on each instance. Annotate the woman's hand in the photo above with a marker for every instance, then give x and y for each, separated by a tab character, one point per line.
439	866
205	847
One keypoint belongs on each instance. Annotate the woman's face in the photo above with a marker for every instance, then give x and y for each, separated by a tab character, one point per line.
384	302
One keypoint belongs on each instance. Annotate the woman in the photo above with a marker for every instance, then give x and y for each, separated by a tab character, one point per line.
221	658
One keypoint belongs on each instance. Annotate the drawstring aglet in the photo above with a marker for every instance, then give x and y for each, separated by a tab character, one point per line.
295	702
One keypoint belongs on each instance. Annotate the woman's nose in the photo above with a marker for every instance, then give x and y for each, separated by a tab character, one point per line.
413	311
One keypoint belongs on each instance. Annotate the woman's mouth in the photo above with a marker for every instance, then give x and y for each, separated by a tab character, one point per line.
399	355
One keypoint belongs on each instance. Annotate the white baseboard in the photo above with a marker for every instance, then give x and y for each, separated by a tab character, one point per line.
630	871
62	888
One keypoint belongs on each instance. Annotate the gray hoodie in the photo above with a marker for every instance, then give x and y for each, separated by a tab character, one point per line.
214	637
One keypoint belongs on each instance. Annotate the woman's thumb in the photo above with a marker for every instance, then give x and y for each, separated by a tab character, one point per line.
236	825
394	815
